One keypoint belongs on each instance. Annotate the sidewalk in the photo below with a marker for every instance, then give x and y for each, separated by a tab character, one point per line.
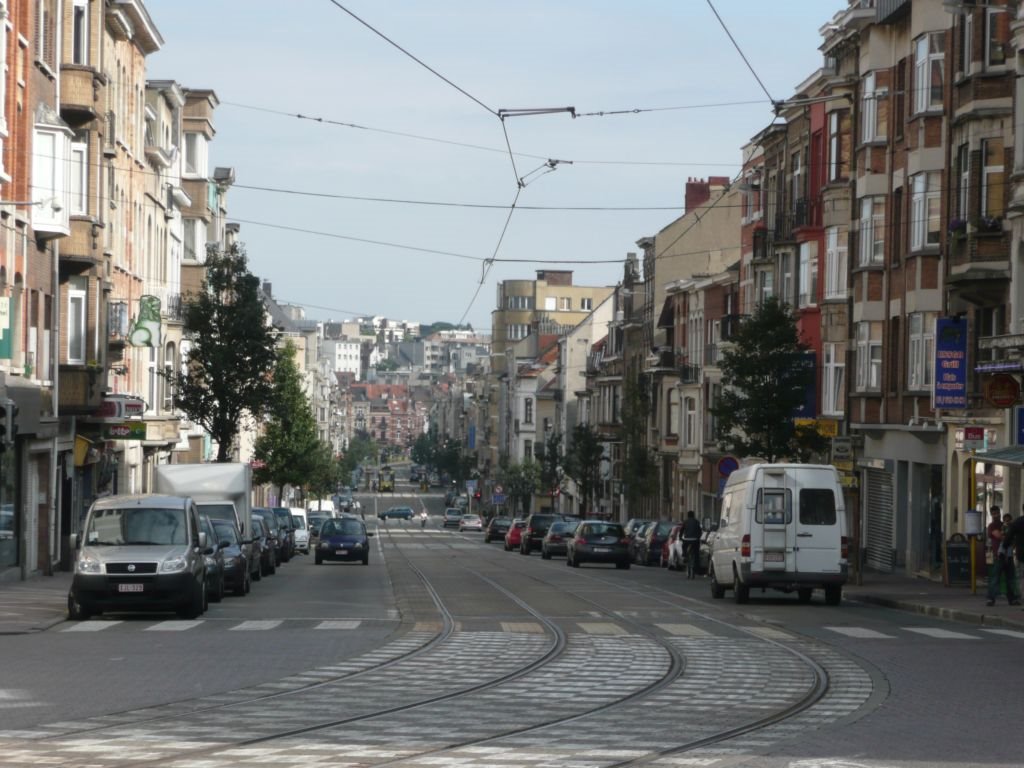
41	602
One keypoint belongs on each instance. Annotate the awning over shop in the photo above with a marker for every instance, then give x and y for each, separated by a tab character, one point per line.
1012	456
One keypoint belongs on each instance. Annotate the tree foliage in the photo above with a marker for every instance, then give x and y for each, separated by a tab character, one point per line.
424	449
639	466
361	448
551	469
289	447
583	464
520	482
766	376
231	350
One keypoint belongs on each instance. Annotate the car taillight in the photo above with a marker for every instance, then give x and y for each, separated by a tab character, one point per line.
624	541
581	542
844	550
529	531
745	546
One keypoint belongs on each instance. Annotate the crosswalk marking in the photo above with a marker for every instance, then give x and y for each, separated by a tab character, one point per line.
246	626
861	632
1006	632
684	630
601	628
174	626
942	634
530	627
770	633
338	624
91	626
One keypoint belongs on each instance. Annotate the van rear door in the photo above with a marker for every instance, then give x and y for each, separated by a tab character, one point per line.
772	534
818	530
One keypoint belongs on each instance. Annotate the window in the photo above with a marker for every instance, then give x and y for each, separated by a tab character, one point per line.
519	302
967	43
517	331
690	423
808	295
44	35
80	173
997	29
833	377
4	75
929	74
992	192
872	230
874	115
565	303
587	304
774	506
836	154
528	410
549	303
963	167
80	32
869	357
77	306
765	285
921	350
925	209
672	417
527	449
195	154
817	506
786	277
836	263
797	170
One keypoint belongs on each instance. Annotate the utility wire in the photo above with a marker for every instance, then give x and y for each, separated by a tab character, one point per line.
490	262
740	51
423	64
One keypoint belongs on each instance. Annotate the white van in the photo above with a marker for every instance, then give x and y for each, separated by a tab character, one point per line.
301	529
783	526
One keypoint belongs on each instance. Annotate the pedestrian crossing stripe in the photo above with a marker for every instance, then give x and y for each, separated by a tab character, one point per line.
346	624
1006	633
91	626
174	626
601	628
684	630
942	634
861	633
246	626
528	627
770	633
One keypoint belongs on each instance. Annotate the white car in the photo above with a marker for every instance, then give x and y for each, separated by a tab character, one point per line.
301	531
471	523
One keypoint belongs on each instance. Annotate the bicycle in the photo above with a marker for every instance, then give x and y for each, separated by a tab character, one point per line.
690	554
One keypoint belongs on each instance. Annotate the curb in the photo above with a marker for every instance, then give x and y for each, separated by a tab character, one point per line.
939	612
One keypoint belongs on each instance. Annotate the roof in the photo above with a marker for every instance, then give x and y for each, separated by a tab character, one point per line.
140	500
1012	456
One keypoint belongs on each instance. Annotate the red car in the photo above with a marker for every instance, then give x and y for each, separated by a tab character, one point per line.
514	537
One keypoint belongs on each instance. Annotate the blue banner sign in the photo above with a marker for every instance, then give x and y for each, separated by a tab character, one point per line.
951	363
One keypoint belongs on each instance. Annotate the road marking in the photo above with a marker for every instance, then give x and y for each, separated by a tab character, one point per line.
862	633
770	633
684	630
338	624
530	627
256	626
941	634
174	626
1005	632
91	626
601	628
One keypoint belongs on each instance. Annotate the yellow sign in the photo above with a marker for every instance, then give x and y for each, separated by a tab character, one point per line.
848	481
824	427
844	465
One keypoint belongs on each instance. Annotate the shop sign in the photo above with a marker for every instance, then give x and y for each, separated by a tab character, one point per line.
121	407
1002	390
125	430
848	481
824	427
951	363
842	449
843	465
974	438
5	327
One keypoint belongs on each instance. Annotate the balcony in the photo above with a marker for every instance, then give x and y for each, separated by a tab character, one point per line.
730	326
762	239
79	90
174	307
81	389
118	322
663	359
689	373
712	354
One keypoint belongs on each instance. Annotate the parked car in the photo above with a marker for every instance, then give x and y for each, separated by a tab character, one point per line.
597	541
633	541
264	547
634	524
237	574
315	520
471	523
672	550
345	539
536	527
277	536
514	535
300	530
647	550
496	528
452	516
140	552
287	529
214	553
400	513
556	539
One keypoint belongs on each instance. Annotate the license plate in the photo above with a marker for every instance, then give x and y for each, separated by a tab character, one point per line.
341	552
602	549
129	587
774	557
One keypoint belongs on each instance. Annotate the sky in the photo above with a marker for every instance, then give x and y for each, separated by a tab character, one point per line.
369	183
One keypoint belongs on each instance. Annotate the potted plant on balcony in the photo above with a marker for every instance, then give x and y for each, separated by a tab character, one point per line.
990	224
958	228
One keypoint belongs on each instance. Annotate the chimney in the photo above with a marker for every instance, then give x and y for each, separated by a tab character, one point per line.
698	192
268	288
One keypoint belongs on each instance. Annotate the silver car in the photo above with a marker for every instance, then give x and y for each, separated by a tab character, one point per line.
145	552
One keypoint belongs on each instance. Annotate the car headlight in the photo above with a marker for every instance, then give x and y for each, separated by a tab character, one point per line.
210	562
88	564
174	564
357	545
230	562
325	545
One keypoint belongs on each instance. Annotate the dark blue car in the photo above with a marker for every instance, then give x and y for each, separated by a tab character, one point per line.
343	538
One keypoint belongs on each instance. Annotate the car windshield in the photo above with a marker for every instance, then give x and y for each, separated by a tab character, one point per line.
298	522
664	528
136	525
219	511
226	530
603	529
561	527
342	527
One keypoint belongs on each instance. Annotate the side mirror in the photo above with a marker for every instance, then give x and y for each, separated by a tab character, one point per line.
369	533
75	541
202	540
223	544
209	551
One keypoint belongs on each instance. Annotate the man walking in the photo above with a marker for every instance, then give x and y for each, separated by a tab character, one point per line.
1002	561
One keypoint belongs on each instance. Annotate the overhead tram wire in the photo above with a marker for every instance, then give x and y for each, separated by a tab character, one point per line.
740	51
490	262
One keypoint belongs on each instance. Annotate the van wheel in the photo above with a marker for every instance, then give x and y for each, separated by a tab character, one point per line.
717	590
804	595
740	591
77	611
833	594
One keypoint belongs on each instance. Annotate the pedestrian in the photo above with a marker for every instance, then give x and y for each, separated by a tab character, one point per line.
1002	562
1013	537
994	530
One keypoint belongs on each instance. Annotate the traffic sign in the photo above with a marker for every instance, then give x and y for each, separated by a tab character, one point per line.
499	490
498	498
727	465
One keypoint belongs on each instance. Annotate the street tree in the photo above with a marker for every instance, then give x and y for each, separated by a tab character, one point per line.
231	350
639	466
288	445
424	449
766	375
551	469
520	482
583	458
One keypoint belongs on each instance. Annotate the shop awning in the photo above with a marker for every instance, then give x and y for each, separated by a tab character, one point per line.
1012	456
